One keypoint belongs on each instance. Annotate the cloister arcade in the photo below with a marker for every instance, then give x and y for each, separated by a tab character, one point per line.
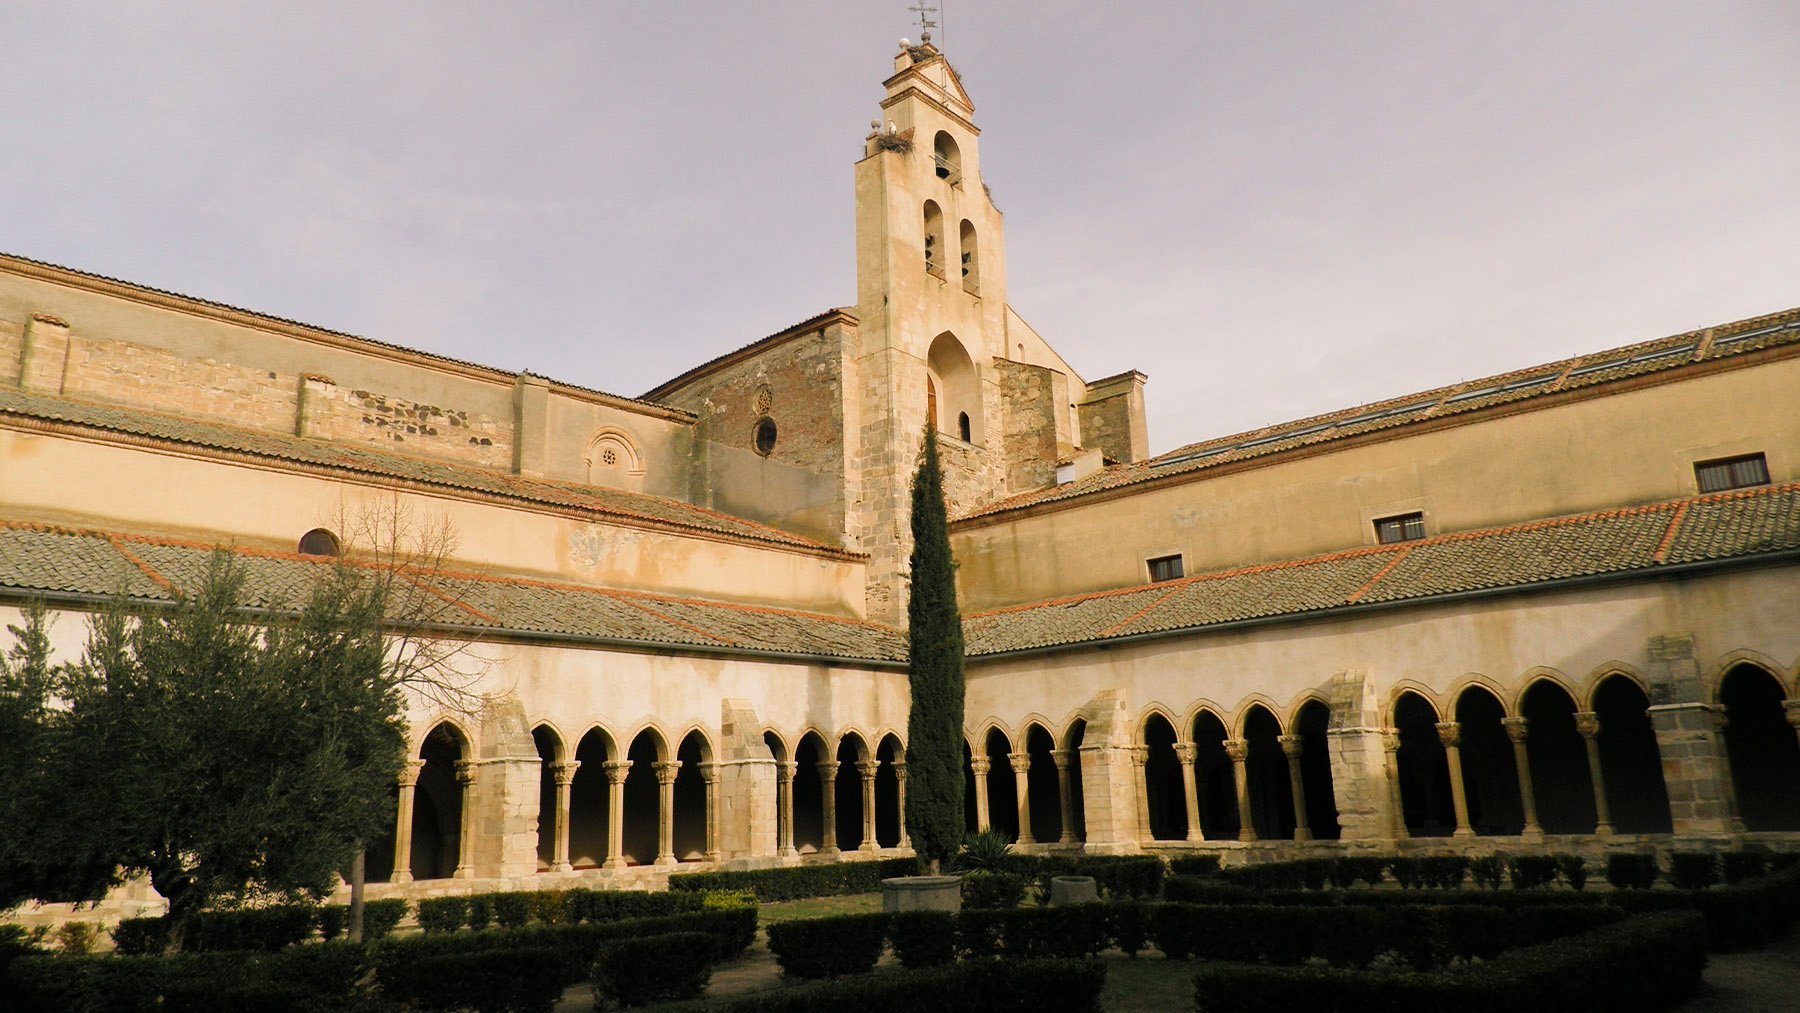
1472	761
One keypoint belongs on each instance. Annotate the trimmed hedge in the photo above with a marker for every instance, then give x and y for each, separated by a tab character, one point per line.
1693	870
1746	916
1076	930
646	969
298	980
443	914
137	937
524	980
1118	876
923	938
266	929
984	889
828	947
1000	986
1648	962
798	882
1627	871
1194	865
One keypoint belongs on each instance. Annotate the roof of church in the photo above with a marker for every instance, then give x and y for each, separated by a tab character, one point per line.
598	502
60	562
1521	387
1631	541
846	314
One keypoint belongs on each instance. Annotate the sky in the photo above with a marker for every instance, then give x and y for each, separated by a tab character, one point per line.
1271	209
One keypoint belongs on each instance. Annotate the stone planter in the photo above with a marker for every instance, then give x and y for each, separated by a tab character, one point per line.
922	893
1065	890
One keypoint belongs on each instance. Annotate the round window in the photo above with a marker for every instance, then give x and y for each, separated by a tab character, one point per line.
765	436
319	542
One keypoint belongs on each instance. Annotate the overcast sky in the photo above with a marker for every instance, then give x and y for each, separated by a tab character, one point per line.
1272	209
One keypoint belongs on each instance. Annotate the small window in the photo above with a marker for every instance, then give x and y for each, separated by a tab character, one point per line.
1164	568
962	425
765	436
1732	473
1403	528
319	542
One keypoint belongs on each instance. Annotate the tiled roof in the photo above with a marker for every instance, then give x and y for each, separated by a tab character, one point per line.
42	266
1713	344
1722	526
603	504
38	559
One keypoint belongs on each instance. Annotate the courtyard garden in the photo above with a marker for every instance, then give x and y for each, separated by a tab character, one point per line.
1532	932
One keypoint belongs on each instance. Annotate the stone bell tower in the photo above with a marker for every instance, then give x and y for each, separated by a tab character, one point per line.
931	300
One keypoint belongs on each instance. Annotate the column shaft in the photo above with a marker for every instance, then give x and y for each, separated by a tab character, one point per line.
616	772
666	772
981	765
1185	754
564	774
828	800
1239	751
1021	768
1140	755
900	790
868	770
1588	724
709	772
1064	795
784	801
1518	730
1390	745
465	837
1450	734
1293	747
409	783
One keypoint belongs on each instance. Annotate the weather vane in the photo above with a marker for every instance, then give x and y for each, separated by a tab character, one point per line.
924	10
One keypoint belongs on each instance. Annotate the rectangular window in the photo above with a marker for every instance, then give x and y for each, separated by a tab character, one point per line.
1401	528
1164	568
1732	473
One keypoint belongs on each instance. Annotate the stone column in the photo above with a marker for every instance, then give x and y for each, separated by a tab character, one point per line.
785	800
465	835
1064	795
1518	730
409	782
868	770
1690	737
709	773
1390	747
1021	768
1792	708
1185	754
1450	734
565	780
900	791
1239	751
1293	747
828	802
616	772
980	765
666	772
1588	724
1140	757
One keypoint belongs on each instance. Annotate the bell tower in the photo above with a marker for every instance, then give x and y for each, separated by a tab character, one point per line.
931	301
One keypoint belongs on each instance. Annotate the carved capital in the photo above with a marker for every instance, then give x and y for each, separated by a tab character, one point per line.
1390	741
868	768
564	772
409	773
1449	733
1587	723
827	770
1517	729
1140	755
899	770
1291	745
1060	757
787	768
709	772
1185	752
1020	762
1792	707
616	770
980	765
667	771
465	772
1237	749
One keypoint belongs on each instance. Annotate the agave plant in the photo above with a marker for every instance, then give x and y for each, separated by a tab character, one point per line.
985	851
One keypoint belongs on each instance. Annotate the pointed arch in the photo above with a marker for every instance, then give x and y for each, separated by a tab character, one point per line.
1164	789
590	812
690	820
1558	758
1266	768
970	249
1590	684
1765	756
1215	775
958	385
1250	703
1630	757
439	799
890	752
1002	787
1423	766
1729	662
1490	774
811	749
1312	724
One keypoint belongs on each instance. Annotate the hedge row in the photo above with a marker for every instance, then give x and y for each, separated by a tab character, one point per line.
1414	936
1626	870
1647	962
1118	876
264	929
297	980
1001	986
797	882
528	979
646	969
516	909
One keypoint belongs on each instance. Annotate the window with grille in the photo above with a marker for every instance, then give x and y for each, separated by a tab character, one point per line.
1732	473
1164	568
1400	528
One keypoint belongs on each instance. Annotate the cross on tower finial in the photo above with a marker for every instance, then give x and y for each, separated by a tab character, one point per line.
924	9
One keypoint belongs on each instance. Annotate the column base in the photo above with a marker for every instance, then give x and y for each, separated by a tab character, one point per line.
1246	835
1302	835
665	861
831	852
869	846
613	864
1603	830
401	876
1193	837
787	853
1463	834
561	867
1533	834
713	856
463	872
1069	838
1026	841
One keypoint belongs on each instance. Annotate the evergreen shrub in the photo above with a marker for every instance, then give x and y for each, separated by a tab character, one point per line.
1630	871
512	910
136	937
1742	865
481	911
923	938
265	928
1128	923
334	919
828	947
524	980
1573	869
443	914
797	882
1529	872
1486	871
983	889
646	969
380	917
993	986
1745	916
1693	870
1194	865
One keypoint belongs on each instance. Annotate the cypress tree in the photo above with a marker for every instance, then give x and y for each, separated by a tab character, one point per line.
934	751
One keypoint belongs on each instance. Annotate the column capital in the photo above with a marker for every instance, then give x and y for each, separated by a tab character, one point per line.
900	769
1019	762
1060	757
980	764
1517	729
667	771
709	771
787	768
1186	752
1390	741
1792	707
564	772
1449	733
868	768
1291	745
466	771
1587	723
409	773
1140	755
1237	749
828	770
616	770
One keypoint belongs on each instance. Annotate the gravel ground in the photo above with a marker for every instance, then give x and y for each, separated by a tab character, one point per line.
1762	981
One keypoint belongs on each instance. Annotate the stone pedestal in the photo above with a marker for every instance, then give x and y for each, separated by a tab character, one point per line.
747	786
1066	890
922	893
1691	739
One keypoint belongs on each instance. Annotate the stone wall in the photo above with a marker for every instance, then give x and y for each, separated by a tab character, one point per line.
1034	423
405	426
